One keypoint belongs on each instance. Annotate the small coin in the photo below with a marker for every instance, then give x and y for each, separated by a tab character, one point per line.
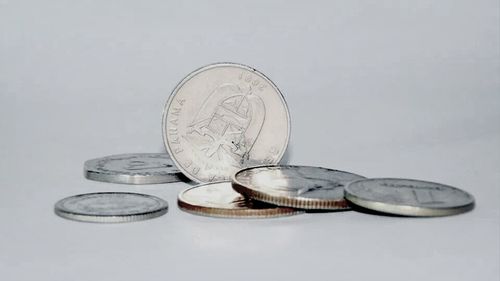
138	168
220	200
409	197
111	207
224	117
303	187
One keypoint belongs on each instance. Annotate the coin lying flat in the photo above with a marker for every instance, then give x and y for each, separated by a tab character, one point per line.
139	168
301	187
409	197
224	117
220	200
111	207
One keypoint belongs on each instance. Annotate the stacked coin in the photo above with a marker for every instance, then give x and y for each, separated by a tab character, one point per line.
227	126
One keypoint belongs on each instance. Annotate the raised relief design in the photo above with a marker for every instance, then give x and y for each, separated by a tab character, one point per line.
227	124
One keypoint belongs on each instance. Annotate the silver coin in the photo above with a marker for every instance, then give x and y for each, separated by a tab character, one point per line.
224	117
139	168
301	187
111	207
409	197
220	200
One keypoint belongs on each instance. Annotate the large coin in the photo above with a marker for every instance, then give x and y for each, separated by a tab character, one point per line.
139	168
295	186
111	207
224	117
409	197
220	200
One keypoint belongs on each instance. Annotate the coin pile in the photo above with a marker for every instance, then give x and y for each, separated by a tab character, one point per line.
226	126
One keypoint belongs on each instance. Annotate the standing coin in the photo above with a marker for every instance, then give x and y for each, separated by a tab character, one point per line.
224	117
139	168
295	186
111	207
220	200
409	197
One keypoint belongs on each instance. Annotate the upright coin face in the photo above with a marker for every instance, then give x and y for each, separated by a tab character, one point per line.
139	168
220	200
224	117
295	186
111	207
409	197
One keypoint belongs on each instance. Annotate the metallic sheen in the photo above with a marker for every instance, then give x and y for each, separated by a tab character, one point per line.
224	117
111	207
303	187
220	200
139	168
409	197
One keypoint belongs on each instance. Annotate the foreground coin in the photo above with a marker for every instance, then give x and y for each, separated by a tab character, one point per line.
409	197
139	168
303	187
224	117
220	200
111	207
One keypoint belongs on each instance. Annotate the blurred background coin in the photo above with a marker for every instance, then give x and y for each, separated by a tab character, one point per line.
111	207
224	117
303	187
220	200
138	168
409	197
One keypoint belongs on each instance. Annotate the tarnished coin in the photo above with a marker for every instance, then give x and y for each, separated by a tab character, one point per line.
111	207
224	117
138	168
409	197
220	200
303	187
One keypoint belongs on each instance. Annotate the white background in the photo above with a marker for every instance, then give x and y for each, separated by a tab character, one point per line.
379	88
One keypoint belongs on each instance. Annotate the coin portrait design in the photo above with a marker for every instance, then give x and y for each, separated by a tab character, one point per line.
224	117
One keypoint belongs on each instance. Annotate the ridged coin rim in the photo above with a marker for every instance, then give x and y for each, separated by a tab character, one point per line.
293	202
231	213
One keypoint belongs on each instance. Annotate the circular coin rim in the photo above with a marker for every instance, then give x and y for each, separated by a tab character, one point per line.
231	213
407	210
293	202
71	215
91	174
205	68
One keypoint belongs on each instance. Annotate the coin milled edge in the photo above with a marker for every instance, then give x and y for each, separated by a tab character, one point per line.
233	213
293	202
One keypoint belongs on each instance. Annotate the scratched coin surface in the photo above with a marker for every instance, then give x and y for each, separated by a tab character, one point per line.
224	117
303	187
139	168
111	207
220	200
409	197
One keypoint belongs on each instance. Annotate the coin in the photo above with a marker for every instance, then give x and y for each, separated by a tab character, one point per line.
220	200
224	117
139	168
111	207
409	197
303	187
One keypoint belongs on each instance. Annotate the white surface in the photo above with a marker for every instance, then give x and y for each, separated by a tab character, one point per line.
380	88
